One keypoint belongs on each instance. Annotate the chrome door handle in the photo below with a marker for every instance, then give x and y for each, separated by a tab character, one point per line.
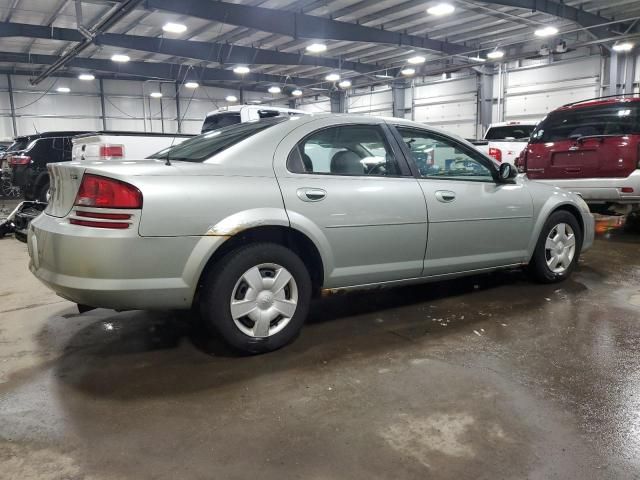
311	194
445	196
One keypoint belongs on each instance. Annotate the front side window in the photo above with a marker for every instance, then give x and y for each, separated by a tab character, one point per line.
346	150
614	119
438	157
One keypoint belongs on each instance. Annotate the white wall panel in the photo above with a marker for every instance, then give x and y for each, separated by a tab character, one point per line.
322	106
377	102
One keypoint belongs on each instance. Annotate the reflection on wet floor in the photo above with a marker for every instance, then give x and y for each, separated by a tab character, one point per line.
607	223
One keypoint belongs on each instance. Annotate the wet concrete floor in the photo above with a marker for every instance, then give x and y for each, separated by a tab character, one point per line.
491	377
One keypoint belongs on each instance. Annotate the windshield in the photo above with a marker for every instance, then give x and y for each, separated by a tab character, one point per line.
202	147
509	131
219	120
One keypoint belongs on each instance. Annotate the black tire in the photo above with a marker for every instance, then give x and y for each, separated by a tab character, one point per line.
220	282
538	267
41	194
632	222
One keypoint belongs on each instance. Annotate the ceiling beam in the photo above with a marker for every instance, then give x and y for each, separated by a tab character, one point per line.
196	50
149	70
581	17
299	25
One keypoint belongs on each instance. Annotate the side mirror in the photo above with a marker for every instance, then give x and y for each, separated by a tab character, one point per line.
507	172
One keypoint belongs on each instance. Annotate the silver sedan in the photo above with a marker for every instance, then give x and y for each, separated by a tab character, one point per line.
248	222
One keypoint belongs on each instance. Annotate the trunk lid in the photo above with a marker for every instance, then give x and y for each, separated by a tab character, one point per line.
64	182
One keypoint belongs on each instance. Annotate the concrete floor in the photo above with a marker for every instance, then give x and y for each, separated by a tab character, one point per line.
487	378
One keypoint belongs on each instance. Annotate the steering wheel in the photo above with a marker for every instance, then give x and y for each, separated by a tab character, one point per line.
378	169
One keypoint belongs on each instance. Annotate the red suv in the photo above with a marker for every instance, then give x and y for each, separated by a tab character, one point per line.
591	148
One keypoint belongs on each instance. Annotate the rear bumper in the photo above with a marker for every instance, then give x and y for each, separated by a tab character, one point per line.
602	190
117	269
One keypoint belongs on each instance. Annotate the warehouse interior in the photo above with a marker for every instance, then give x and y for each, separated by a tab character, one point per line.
483	377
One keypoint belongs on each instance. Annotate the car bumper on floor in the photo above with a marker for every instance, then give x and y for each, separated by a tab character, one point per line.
116	268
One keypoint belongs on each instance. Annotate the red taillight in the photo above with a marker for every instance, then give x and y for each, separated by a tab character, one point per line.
496	154
103	192
112	151
626	189
89	223
104	216
19	160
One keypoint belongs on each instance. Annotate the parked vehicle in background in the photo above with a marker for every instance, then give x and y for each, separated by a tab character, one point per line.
116	145
246	224
29	165
506	140
234	114
591	148
7	189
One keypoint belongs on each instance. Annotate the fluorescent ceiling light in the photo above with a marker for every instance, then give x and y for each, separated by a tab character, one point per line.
623	47
156	94
63	89
408	71
274	89
241	70
296	93
495	54
86	76
477	59
345	84
441	9
380	75
416	60
546	32
171	27
192	84
332	77
317	48
231	98
118	57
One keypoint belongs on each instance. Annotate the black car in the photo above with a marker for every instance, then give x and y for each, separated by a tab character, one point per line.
29	164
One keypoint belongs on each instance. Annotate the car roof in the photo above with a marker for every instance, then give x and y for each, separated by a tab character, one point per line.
238	108
594	102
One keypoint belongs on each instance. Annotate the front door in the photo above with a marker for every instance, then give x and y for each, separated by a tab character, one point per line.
352	192
474	221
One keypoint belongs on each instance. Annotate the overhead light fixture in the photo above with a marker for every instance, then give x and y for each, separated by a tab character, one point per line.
623	47
441	9
86	77
417	60
241	70
297	92
496	54
63	89
477	59
274	89
345	84
120	58
156	94
317	48
383	75
231	98
192	84
546	32
408	71
332	77
171	27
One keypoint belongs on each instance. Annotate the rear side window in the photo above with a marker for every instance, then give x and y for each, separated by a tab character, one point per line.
615	119
220	120
202	147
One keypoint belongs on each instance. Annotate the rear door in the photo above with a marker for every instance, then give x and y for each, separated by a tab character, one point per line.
350	189
590	142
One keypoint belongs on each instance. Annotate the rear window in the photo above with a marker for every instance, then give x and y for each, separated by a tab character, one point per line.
614	119
509	131
219	120
18	144
202	147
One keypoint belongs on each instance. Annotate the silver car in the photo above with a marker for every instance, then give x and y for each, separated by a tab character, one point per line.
249	221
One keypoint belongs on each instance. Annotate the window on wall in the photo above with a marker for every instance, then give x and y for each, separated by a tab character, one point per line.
438	157
346	150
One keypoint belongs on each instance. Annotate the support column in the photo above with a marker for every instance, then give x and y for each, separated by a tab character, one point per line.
12	106
485	102
614	74
338	101
398	97
103	114
178	115
292	103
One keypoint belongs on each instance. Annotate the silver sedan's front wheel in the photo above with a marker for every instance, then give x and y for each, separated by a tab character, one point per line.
560	248
264	300
256	297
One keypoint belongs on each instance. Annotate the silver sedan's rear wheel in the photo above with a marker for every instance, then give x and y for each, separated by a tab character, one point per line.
264	300
257	297
558	248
